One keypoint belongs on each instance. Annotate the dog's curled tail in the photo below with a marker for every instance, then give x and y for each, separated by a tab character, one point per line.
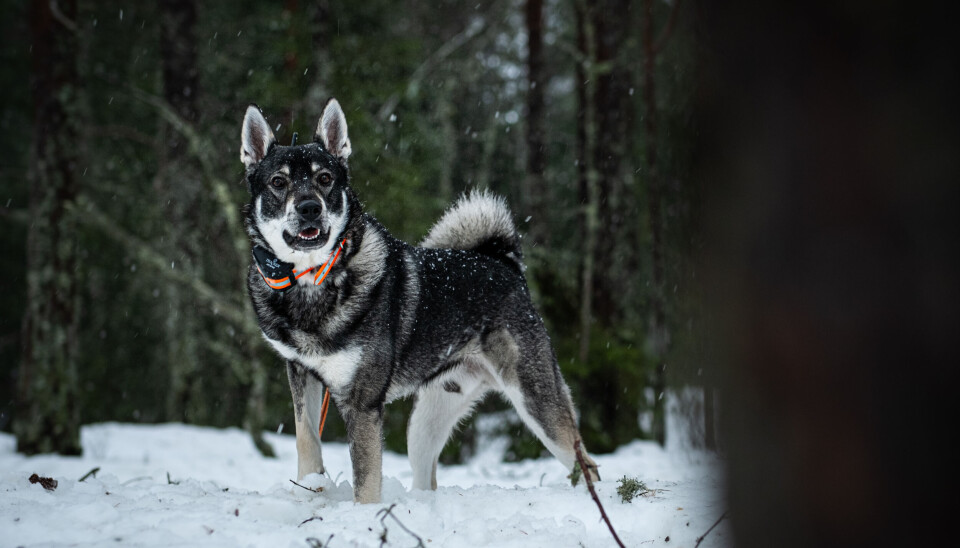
479	221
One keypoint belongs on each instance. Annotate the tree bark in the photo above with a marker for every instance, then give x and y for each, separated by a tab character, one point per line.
48	418
587	174
319	72
658	328
180	193
536	190
614	120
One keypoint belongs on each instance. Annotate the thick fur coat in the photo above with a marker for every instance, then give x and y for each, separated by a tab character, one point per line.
446	321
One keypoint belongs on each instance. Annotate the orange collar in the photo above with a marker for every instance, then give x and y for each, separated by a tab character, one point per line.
281	276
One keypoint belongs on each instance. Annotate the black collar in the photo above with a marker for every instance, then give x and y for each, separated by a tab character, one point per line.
277	274
280	276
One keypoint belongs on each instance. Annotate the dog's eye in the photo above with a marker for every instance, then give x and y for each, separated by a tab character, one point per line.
278	182
325	178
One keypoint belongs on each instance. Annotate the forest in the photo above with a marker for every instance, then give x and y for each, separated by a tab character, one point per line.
747	203
126	242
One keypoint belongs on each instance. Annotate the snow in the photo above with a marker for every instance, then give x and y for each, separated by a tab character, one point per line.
178	485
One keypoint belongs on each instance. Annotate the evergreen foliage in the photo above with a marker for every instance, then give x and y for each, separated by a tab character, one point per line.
436	98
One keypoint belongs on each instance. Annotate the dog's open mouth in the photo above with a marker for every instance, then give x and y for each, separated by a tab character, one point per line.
308	238
309	233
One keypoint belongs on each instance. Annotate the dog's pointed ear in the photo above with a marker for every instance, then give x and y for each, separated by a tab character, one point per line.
256	138
332	131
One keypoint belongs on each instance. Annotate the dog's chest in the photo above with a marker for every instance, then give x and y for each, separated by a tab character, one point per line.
337	369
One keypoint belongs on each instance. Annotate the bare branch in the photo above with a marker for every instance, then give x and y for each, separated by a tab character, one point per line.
62	19
389	512
90	214
201	151
703	536
312	489
474	28
586	475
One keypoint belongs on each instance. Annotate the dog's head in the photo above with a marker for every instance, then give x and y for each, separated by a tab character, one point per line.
299	194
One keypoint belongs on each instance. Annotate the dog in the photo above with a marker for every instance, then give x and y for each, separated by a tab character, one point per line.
372	318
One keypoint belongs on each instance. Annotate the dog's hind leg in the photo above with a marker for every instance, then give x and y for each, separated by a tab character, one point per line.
439	407
529	375
307	391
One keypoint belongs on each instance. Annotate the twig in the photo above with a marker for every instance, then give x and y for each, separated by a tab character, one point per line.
315	542
63	19
593	493
90	473
389	512
310	519
703	536
315	490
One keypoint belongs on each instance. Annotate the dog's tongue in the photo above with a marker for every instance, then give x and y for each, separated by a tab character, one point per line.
309	233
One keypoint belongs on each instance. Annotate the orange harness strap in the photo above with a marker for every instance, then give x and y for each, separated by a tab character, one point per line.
323	409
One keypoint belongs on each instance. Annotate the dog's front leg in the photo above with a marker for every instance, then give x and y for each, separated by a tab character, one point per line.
307	391
365	432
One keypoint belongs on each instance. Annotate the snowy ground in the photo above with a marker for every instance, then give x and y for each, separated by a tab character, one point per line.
221	492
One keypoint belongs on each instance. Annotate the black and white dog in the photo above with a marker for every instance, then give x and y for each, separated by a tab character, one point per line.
373	319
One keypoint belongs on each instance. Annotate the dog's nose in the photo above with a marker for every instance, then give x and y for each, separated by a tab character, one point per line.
309	210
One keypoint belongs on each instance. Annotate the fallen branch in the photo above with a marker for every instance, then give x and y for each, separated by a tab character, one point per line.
583	466
703	536
389	512
315	490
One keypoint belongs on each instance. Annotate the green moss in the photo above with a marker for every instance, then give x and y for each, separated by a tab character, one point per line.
629	488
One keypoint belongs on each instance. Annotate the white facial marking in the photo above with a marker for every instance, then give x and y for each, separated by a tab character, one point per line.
272	230
310	259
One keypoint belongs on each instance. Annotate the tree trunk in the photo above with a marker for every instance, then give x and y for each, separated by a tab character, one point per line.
180	192
658	328
47	418
536	191
587	174
319	71
614	120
